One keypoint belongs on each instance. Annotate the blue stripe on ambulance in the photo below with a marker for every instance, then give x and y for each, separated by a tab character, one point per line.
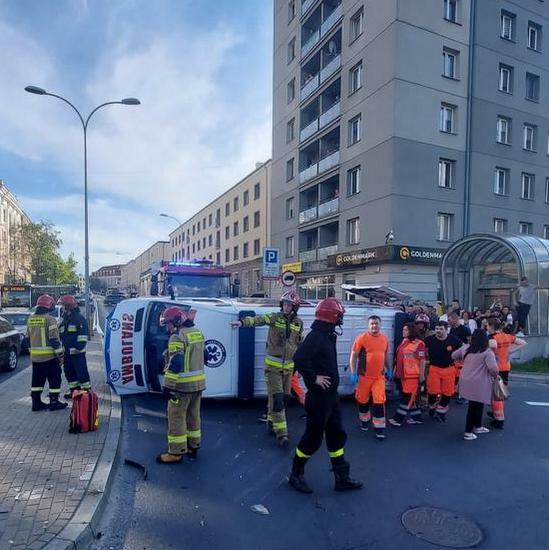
107	349
246	358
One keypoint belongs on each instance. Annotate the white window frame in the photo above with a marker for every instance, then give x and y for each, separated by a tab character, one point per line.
290	130
291	50
449	6
503	130
290	208
502	223
236	253
501	186
353	181
356	24
529	136
527	186
290	88
446	169
450	63
505	17
533	37
290	247
536	83
353	231
447	118
355	129
508	80
290	169
291	10
528	226
355	78
444	226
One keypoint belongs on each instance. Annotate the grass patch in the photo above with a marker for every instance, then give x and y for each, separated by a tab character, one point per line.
538	364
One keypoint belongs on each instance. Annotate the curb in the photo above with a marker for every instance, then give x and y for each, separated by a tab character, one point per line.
530	376
79	533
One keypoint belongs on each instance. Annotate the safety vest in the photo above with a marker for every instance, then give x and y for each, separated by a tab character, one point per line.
284	336
44	341
410	359
188	344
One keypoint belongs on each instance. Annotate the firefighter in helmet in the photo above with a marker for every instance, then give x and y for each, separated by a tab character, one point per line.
316	361
184	382
74	336
285	334
46	353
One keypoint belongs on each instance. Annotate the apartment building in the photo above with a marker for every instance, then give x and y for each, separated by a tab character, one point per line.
108	276
231	231
399	127
136	274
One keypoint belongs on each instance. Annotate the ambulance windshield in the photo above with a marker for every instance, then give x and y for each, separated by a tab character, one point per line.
200	286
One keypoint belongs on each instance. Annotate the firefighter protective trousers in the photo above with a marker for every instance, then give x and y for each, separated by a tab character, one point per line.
278	382
184	422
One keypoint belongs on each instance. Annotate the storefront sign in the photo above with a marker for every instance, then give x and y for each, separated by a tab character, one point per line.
296	267
389	253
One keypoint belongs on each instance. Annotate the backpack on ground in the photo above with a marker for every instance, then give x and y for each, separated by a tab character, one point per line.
84	413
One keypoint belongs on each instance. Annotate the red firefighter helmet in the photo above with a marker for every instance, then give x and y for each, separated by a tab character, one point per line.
177	316
291	297
330	310
45	301
68	301
423	318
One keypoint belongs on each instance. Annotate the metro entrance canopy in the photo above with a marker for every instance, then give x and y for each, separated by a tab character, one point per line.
482	269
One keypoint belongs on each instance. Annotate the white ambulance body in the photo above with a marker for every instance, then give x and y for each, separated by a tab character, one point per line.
134	343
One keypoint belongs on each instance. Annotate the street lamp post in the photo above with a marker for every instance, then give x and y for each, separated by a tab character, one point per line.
171	217
126	101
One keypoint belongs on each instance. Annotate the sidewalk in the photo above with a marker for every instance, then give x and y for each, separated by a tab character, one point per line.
46	484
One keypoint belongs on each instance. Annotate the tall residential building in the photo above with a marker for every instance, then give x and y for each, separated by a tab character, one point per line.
400	126
108	276
231	231
14	265
136	274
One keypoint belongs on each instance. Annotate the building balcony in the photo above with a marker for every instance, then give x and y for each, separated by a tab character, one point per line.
331	114
309	130
310	87
326	251
328	208
308	173
308	255
306	5
308	215
309	45
330	69
328	162
331	20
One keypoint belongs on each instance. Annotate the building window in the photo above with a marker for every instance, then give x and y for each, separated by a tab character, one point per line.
354	129
450	10
290	130
246	198
357	25
227	209
546	232
198	245
210	240
500	225
291	90
290	247
353	231
198	227
227	232
257	218
505	79
503	130
204	242
534	36
291	50
526	228
446	173
547	191
507	31
257	247
444	226
235	229
290	208
257	191
532	87
291	10
194	249
227	255
355	78
218	258
528	186
450	63
210	219
245	250
246	224
353	181
447	118
235	204
204	223
194	229
235	253
529	137
290	170
501	179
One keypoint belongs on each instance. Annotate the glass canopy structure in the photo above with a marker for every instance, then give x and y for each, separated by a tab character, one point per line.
482	269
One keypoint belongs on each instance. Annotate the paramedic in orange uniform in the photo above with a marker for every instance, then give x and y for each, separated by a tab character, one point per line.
370	374
504	343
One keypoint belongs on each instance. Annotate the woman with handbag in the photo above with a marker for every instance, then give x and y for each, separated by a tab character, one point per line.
476	382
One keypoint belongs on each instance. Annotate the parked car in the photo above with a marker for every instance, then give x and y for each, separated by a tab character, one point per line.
113	298
10	345
18	318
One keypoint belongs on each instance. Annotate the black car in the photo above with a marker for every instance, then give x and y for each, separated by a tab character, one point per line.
113	298
10	345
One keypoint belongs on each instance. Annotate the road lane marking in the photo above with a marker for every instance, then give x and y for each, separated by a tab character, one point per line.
537	403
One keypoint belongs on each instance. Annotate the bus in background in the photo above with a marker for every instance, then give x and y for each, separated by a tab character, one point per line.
16	296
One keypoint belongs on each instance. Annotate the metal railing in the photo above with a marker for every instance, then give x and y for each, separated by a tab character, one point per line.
310	87
326	251
308	215
309	130
328	208
331	68
328	162
308	255
308	173
309	45
331	114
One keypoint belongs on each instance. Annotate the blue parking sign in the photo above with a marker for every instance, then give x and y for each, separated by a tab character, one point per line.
271	265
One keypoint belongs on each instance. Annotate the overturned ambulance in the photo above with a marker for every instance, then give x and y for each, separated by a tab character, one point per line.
135	342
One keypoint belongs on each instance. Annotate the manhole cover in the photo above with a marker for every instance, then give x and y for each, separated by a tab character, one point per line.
442	527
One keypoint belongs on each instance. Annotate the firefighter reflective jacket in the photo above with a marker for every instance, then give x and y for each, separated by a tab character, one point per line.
74	333
44	341
184	370
284	336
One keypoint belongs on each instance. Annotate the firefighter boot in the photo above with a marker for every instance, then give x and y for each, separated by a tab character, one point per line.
37	403
297	479
192	453
168	458
55	404
342	480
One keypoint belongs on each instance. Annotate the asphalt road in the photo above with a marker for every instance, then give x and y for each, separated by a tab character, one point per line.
500	480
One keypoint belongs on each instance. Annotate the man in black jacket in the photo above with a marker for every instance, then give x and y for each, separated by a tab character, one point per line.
316	361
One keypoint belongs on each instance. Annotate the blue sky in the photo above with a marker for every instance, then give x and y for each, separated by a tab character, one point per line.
202	70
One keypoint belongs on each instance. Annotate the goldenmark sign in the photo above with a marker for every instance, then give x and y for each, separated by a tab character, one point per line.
390	253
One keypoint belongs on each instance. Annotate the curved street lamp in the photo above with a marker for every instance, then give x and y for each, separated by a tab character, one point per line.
171	217
126	101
